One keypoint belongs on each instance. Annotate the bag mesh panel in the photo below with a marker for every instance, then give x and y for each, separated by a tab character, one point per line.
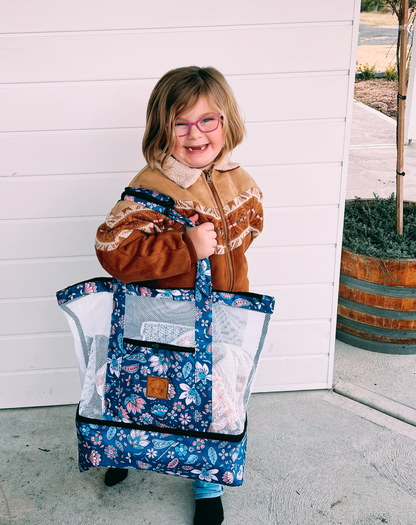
92	399
237	340
160	320
90	323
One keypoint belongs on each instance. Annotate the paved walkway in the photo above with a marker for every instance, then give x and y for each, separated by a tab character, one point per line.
314	458
372	162
377	36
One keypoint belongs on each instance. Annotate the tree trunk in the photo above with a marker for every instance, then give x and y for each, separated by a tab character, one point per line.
401	103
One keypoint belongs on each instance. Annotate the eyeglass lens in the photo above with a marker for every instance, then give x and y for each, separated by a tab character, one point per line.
206	124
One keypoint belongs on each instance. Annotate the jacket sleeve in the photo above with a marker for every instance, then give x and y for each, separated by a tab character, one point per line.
257	217
136	244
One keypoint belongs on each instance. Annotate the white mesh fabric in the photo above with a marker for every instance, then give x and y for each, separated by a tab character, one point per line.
237	339
153	331
160	320
90	320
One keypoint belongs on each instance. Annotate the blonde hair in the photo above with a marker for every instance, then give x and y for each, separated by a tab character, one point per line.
180	89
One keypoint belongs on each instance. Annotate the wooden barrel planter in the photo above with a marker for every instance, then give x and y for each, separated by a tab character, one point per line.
377	303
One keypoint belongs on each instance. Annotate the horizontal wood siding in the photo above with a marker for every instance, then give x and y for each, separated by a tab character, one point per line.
73	96
101	151
306	337
37	315
292	373
122	104
43	277
97	55
40	388
18	16
60	196
291	265
75	236
70	195
37	352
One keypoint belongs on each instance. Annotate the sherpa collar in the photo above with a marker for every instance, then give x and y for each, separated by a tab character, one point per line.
184	176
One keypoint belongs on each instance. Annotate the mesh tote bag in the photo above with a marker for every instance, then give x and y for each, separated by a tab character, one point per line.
166	374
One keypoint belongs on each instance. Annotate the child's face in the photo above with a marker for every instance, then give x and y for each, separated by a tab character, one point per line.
198	149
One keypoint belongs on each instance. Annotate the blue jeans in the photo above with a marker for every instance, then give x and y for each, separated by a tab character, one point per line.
203	489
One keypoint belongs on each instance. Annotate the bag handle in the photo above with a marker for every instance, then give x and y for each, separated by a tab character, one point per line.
155	201
164	204
203	284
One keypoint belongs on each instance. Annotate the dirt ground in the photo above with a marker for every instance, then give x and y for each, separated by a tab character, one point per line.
380	94
381	56
382	18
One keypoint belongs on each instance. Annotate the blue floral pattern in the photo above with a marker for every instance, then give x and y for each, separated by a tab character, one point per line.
189	457
84	289
172	432
189	373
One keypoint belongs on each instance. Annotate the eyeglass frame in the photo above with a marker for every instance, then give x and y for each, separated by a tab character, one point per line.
196	124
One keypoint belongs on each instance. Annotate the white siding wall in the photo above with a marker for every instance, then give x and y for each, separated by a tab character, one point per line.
74	82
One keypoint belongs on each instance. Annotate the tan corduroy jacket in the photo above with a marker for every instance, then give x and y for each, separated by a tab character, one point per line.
139	245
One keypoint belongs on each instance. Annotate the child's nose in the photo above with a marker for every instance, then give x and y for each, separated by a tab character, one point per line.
194	132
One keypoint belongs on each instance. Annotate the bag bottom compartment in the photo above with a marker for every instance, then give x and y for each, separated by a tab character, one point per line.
188	454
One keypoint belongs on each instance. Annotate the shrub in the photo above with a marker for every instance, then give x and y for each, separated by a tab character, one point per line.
367	71
391	72
370	229
372	5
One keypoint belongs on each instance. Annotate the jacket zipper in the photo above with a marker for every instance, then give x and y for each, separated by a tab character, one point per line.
208	174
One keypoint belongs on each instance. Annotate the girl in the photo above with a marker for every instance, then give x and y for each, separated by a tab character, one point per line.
192	125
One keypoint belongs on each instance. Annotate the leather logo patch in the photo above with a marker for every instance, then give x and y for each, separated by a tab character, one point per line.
157	387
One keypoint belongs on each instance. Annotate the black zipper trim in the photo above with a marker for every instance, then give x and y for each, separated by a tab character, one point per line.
143	284
258	296
245	294
169	431
160	346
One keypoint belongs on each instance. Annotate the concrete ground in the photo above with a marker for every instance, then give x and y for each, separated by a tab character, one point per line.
377	36
310	462
314	458
372	160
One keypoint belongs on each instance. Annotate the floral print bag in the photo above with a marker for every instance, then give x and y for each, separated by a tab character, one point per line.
166	374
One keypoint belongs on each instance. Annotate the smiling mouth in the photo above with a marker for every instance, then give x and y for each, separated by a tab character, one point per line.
203	147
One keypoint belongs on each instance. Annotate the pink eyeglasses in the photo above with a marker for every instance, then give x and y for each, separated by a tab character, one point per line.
205	125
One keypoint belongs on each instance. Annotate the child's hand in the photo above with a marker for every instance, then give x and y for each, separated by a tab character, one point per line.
203	237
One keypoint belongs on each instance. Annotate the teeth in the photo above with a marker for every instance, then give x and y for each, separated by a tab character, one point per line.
199	148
